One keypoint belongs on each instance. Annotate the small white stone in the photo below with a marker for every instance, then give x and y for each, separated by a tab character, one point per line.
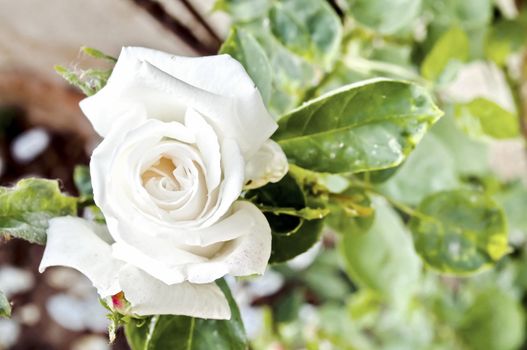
77	314
91	342
30	145
28	314
9	333
14	280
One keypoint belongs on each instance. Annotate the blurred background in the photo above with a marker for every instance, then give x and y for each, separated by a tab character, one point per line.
43	133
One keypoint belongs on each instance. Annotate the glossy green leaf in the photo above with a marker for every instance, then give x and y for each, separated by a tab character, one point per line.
430	168
293	233
459	232
495	321
26	208
484	118
453	45
360	127
5	307
309	28
287	193
187	333
385	16
243	47
286	247
382	258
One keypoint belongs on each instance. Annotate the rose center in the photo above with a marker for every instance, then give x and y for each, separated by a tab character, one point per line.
164	173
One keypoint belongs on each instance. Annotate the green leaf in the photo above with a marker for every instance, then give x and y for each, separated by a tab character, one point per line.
26	208
473	16
91	80
430	168
483	118
97	54
459	232
88	81
293	227
243	10
506	37
309	28
187	333
382	258
304	213
286	247
513	198
495	321
351	211
243	47
82	180
470	156
286	193
385	16
5	307
453	45
360	127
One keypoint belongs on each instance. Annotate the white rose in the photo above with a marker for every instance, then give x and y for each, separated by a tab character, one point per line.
178	133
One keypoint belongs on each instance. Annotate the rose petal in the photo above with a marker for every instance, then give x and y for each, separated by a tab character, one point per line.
82	245
158	264
243	256
233	166
269	164
216	86
208	145
149	296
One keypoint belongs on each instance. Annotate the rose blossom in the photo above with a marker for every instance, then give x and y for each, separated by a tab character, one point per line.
182	136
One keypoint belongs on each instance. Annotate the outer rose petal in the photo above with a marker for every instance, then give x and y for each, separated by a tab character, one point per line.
84	246
150	296
269	164
164	85
243	256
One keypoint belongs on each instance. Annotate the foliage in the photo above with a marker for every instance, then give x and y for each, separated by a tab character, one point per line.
423	246
5	307
26	208
182	332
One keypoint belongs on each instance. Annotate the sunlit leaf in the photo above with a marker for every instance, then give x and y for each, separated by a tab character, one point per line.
244	48
360	127
385	16
26	208
484	118
383	258
495	321
460	231
450	47
5	307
